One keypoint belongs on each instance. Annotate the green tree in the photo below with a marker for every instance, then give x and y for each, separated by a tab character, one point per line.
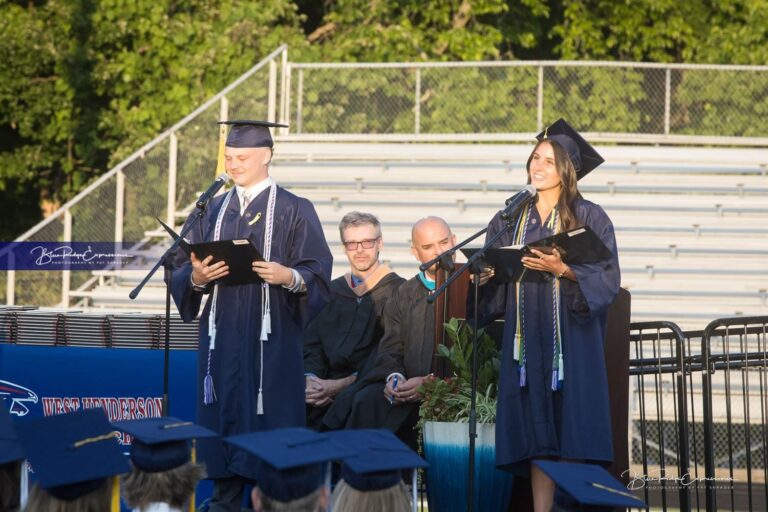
84	83
402	30
707	31
82	87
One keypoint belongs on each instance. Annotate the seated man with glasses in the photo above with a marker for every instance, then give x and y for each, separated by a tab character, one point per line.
340	340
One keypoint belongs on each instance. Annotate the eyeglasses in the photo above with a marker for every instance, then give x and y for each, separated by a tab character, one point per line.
368	243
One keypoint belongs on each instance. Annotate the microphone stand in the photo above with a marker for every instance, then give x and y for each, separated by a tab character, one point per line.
445	258
166	261
472	263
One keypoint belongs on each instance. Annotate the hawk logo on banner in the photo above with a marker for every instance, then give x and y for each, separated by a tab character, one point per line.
19	396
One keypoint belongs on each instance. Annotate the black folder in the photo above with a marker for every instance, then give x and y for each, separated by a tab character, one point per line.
578	245
238	254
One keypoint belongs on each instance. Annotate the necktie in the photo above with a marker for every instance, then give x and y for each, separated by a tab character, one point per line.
246	202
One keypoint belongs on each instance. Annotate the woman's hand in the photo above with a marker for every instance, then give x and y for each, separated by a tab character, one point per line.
551	263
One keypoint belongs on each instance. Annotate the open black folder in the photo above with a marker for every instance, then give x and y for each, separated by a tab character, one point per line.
579	245
238	254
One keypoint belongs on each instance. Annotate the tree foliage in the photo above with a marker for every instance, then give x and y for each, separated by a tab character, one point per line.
84	83
704	32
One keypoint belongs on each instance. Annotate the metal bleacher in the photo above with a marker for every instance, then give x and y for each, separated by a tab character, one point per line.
692	236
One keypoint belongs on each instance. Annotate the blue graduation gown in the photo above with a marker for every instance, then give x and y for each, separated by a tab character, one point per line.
573	422
297	242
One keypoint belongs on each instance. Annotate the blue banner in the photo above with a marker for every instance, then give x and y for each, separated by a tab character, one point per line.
68	255
127	383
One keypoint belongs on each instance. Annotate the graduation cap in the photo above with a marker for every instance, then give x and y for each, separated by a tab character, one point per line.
292	460
250	134
582	154
380	460
72	454
161	444
10	448
589	485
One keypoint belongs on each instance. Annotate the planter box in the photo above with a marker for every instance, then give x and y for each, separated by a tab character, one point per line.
446	448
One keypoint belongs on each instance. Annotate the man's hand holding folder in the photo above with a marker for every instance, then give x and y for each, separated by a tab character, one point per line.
206	271
229	262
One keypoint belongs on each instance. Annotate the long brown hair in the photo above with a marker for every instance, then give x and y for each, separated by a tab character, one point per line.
95	501
10	478
570	191
345	498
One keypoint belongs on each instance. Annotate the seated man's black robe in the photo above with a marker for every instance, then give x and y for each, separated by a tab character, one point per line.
339	341
407	347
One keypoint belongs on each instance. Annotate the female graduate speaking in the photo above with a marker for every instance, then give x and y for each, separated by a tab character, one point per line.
553	390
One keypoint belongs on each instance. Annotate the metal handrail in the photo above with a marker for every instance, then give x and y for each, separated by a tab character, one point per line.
711	364
527	63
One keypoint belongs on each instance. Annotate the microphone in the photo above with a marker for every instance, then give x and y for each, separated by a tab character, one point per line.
517	201
215	186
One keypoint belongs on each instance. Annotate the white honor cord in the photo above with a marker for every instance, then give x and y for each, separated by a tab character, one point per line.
328	484
413	490
266	323
214	298
24	485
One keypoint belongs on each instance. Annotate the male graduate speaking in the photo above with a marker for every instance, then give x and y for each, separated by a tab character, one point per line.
250	369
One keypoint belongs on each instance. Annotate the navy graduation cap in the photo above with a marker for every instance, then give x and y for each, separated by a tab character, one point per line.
582	154
589	485
161	444
72	454
380	460
292	459
250	134
10	447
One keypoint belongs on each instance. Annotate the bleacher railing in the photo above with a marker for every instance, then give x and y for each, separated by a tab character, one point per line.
699	415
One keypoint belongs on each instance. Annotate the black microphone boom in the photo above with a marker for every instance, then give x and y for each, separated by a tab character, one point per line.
215	186
517	201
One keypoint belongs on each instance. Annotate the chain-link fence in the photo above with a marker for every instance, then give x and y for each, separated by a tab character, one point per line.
486	100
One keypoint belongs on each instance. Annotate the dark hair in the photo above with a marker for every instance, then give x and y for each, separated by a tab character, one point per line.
95	501
309	503
570	191
10	479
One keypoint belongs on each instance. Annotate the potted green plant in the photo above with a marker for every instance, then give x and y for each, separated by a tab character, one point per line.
444	417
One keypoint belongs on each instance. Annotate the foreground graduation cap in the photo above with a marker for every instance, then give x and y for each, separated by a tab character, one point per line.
162	444
589	485
583	155
73	454
380	461
10	447
251	134
292	460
